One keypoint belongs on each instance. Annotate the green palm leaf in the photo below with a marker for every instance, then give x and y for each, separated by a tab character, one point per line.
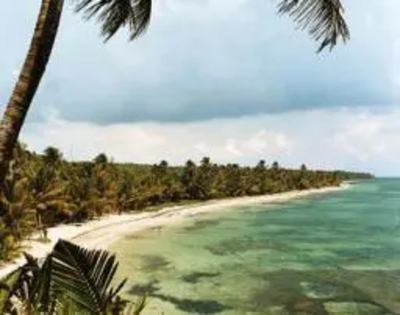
71	280
84	275
323	19
116	14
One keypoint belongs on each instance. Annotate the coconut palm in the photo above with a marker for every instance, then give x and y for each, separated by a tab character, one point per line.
323	18
46	193
113	15
101	159
13	203
52	155
71	280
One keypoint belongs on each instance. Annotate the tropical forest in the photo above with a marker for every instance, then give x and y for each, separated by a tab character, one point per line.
43	190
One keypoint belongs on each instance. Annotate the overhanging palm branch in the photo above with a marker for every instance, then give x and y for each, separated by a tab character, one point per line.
116	14
322	18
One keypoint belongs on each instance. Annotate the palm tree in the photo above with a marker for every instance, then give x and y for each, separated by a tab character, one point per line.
46	193
275	166
52	155
101	159
13	203
113	15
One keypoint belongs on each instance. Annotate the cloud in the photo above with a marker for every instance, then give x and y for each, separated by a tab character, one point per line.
203	60
358	139
150	143
371	138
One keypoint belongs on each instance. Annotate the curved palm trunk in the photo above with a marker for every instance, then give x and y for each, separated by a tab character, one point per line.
29	79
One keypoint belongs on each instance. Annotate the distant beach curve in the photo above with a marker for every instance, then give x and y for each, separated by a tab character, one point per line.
100	233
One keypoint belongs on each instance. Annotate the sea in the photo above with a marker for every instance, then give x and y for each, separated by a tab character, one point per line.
333	253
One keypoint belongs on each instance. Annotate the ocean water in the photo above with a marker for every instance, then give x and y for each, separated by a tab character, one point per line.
337	253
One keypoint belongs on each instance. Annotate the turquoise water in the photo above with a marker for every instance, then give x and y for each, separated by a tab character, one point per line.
337	253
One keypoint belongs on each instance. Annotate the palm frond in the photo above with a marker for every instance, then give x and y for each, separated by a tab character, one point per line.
71	280
46	294
85	275
116	14
21	288
140	305
323	19
7	289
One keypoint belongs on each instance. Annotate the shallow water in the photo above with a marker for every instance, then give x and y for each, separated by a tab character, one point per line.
337	253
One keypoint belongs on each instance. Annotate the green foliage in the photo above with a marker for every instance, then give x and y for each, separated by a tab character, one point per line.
44	190
52	155
116	14
322	18
71	280
101	159
84	276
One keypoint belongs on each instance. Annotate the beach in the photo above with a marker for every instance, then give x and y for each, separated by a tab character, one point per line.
102	232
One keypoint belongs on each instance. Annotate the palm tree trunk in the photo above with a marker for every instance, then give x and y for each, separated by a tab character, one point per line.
29	79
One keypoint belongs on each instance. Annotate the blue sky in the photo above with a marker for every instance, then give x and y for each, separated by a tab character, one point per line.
228	79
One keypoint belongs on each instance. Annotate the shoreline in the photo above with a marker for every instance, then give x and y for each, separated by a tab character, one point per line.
101	232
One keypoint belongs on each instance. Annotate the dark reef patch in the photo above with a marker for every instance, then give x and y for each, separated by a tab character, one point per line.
154	263
247	243
201	224
195	277
190	306
194	306
309	292
148	289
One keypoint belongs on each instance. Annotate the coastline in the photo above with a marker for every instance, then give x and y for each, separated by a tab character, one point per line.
101	232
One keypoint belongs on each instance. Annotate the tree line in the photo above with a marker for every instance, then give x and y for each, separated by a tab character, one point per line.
43	190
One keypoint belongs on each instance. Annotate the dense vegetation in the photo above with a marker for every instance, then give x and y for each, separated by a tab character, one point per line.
44	190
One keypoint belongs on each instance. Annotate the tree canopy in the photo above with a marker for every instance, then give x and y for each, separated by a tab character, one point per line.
41	192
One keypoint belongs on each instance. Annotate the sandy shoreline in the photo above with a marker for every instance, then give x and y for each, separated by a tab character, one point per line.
101	232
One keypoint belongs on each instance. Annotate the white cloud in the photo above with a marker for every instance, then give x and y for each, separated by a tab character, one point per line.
232	147
371	138
335	139
235	141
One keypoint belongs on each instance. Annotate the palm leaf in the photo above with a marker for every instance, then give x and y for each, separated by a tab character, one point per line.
323	19
116	14
84	275
7	289
46	295
21	285
139	307
72	280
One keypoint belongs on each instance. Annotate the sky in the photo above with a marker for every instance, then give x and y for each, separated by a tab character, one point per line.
229	79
